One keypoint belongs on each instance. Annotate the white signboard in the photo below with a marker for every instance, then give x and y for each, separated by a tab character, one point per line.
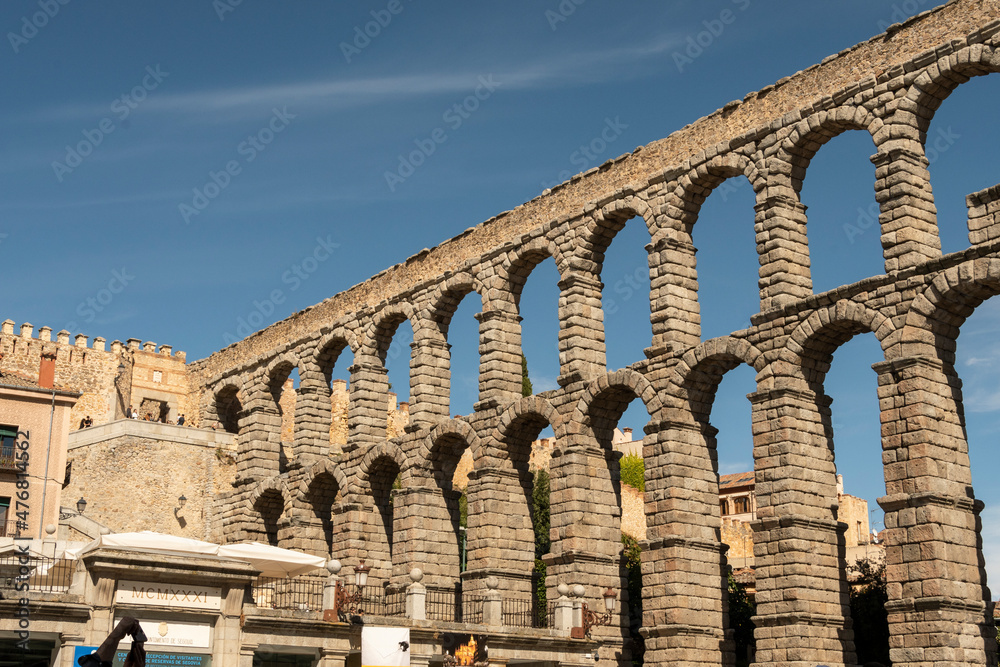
168	595
164	633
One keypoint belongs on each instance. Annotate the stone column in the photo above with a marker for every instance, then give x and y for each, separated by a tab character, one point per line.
499	358
368	411
312	416
936	585
349	539
426	537
784	256
259	443
908	217
585	524
501	537
430	396
674	294
799	550
581	329
683	565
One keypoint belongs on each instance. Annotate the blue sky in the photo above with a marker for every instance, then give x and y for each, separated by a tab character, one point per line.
227	144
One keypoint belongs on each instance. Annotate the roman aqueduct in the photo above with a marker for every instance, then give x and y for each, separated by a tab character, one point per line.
341	501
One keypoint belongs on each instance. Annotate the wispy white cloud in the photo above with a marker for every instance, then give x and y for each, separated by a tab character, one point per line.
332	93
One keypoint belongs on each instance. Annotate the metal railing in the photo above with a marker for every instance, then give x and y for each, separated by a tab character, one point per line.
444	604
471	610
299	593
526	613
376	601
11	528
45	575
7	460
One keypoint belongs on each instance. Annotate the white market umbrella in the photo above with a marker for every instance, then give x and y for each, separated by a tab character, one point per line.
272	561
148	541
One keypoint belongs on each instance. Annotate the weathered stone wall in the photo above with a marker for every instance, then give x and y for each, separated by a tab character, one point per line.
133	472
341	501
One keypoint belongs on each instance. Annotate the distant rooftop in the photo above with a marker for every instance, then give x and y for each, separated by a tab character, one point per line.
13	379
736	480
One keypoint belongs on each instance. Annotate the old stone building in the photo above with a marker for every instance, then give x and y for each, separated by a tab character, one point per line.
298	490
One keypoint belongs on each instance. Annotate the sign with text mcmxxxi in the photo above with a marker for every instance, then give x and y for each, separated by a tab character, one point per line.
168	595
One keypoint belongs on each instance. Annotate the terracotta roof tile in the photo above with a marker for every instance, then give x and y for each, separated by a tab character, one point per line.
736	480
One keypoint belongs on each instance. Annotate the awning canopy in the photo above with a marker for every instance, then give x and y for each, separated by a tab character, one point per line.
271	561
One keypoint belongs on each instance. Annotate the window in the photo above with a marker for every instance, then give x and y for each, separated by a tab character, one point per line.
741	505
8	434
5	530
723	507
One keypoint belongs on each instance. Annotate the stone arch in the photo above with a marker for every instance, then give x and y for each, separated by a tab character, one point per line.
528	413
383	329
617	389
319	489
933	321
228	404
324	467
432	381
269	505
384	450
518	265
694	188
807	136
935	83
448	295
271	484
604	225
696	377
810	348
376	475
449	432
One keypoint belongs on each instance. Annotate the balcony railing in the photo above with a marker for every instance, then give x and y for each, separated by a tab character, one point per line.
300	593
7	460
526	614
12	528
376	601
46	575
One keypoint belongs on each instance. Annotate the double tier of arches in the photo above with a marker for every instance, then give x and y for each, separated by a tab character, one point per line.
343	502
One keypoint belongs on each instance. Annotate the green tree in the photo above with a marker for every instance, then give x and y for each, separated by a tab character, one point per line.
631	559
463	510
871	622
526	389
741	612
633	471
540	522
540	512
